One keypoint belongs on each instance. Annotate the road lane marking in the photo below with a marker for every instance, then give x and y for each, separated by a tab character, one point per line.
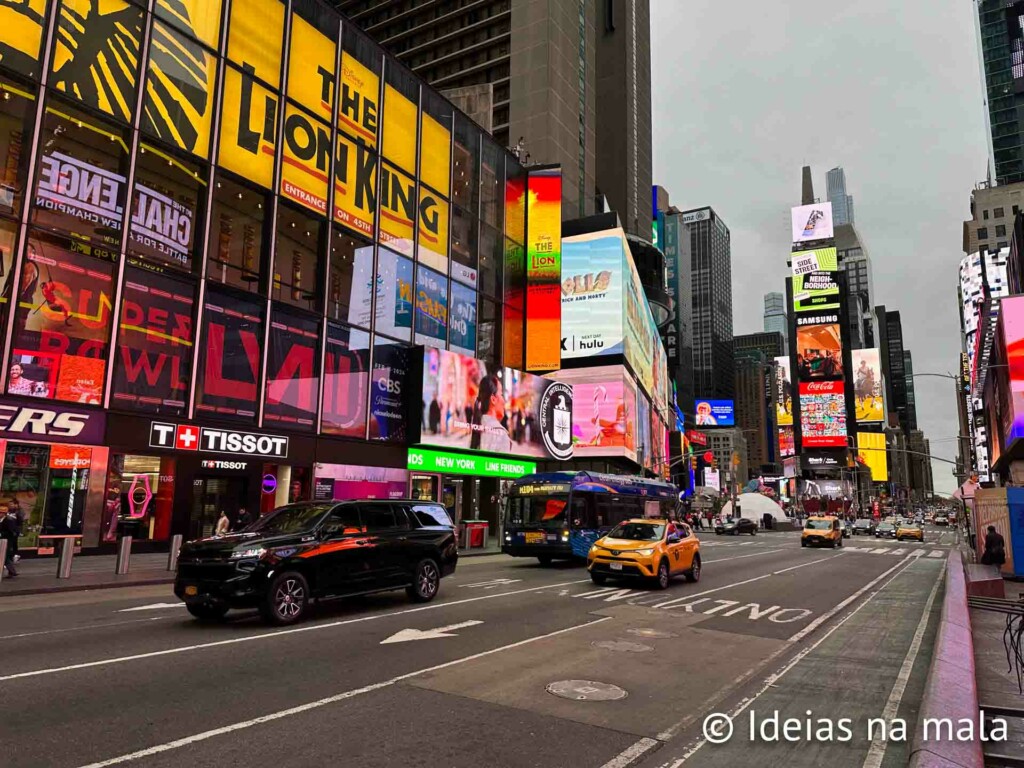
793	568
273	634
410	634
892	705
935	553
80	629
628	756
319	703
151	607
489	584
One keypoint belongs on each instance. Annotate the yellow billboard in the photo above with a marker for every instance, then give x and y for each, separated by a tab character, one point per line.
255	38
311	61
397	209
360	95
399	129
23	32
433	234
435	155
306	160
248	128
871	450
355	174
200	18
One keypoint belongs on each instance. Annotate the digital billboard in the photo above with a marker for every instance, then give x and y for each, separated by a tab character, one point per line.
783	393
787	442
871	450
867	386
604	418
812	222
543	269
715	413
815	291
1012	323
819	352
823	414
471	405
592	290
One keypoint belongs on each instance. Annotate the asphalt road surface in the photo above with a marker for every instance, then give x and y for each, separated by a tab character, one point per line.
126	677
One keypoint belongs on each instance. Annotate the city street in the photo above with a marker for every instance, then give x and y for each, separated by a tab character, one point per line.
125	676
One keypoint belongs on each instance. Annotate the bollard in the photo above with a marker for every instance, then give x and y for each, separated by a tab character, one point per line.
172	556
67	551
124	555
3	557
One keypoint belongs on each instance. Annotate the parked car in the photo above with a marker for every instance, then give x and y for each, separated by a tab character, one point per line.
734	526
885	530
315	550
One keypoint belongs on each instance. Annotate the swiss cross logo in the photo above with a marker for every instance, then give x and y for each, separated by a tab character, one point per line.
187	438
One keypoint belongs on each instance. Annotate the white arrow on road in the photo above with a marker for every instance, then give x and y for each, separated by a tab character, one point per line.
428	634
152	607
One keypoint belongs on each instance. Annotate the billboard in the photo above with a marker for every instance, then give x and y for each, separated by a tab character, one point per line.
783	393
871	450
812	222
604	418
814	280
592	291
468	404
1012	322
715	413
787	442
867	386
823	414
819	352
712	478
543	269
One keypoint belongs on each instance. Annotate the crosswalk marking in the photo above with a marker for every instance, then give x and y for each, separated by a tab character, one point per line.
896	551
936	553
881	551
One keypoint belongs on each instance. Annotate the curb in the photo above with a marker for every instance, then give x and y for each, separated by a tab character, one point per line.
951	690
16	591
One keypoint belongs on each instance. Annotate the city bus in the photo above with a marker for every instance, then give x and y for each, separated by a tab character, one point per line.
559	515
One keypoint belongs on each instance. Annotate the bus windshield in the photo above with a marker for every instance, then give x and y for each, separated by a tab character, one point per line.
545	511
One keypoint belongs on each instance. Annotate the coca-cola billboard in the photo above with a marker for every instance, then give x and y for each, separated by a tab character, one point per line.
823	414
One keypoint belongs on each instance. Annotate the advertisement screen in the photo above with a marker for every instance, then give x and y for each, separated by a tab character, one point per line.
816	260
604	414
469	405
812	222
715	413
543	269
712	479
62	325
787	442
783	393
819	353
1012	321
815	291
229	359
23	32
592	288
823	414
643	428
871	451
431	308
462	336
292	381
397	209
348	481
346	381
867	386
644	350
389	385
154	344
355	175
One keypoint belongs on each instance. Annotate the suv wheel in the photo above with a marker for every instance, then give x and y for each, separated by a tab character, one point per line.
425	581
693	575
598	578
664	577
287	599
544	560
207	612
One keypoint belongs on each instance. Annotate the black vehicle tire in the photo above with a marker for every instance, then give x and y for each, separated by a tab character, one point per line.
753	531
599	578
840	544
693	575
661	581
544	560
803	542
718	533
287	599
426	582
207	613
832	545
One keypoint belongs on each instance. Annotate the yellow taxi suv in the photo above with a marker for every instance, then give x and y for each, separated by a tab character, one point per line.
654	550
822	532
909	530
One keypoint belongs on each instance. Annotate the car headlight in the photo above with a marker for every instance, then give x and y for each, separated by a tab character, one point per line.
252	552
644	552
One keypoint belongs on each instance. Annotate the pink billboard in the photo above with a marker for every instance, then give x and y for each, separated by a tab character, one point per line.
604	411
352	481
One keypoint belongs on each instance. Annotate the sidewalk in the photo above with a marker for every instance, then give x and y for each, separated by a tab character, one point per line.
997	684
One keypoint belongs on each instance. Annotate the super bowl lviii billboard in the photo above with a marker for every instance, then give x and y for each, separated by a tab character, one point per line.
867	386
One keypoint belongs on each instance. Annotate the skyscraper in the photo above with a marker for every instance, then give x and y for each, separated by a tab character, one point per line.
908	369
842	203
855	263
775	317
999	25
541	72
755	393
711	295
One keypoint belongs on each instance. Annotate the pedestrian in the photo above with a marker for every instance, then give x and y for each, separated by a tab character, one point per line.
10	529
698	521
244	519
223	524
995	548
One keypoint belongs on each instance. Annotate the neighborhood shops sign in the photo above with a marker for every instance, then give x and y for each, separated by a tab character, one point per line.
187	437
51	423
460	464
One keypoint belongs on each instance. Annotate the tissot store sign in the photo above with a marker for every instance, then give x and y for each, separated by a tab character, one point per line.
51	423
188	437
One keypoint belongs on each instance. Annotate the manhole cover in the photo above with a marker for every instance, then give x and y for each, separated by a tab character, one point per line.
622	645
644	632
586	690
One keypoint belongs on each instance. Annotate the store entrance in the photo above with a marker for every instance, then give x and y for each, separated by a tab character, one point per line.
211	495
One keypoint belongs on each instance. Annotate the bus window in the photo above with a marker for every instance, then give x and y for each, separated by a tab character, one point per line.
553	509
536	510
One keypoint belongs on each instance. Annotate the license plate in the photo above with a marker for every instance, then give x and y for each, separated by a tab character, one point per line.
191	591
552	537
616	566
534	538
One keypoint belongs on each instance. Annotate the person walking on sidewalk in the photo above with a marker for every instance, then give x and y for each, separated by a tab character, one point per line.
995	548
223	524
10	530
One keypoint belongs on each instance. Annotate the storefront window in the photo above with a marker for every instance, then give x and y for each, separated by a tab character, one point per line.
20	46
17	107
229	360
394	295
462	336
431	308
464	246
80	185
346	381
297	259
180	83
154	343
389	390
465	173
491	257
62	325
139	498
236	236
490	332
342	295
292	371
166	205
492	184
95	58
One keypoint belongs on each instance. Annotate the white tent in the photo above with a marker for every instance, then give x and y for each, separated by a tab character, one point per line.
753	506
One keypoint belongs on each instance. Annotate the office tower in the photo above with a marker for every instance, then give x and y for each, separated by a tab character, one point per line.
842	203
855	263
775	317
998	27
724	443
755	388
920	466
807	187
993	210
711	295
894	361
908	375
540	72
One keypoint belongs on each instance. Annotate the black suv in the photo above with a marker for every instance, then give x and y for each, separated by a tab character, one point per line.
316	550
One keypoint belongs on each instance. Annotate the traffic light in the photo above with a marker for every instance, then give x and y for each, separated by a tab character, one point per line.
693	463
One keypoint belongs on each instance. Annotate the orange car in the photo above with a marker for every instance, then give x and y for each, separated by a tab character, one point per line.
655	549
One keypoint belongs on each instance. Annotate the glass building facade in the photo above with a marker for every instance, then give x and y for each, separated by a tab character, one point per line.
240	214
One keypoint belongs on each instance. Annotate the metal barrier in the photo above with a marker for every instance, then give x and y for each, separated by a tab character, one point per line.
172	556
3	557
67	551
124	555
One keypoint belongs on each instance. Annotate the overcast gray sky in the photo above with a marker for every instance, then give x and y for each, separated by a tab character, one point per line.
746	94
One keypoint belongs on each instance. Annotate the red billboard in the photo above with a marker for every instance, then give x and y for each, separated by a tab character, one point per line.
543	269
823	414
